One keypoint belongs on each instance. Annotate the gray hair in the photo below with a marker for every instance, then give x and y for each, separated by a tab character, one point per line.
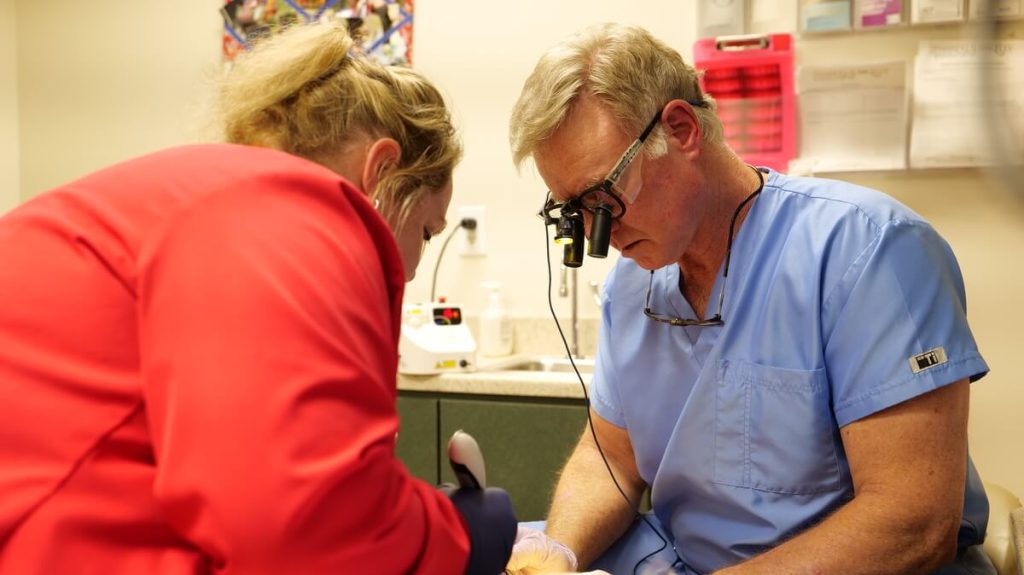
626	68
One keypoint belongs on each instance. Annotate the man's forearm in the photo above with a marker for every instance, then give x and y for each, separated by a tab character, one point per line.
869	535
588	513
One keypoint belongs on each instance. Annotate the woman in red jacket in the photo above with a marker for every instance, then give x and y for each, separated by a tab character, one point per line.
198	347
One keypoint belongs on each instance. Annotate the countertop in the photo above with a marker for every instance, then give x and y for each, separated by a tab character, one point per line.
490	378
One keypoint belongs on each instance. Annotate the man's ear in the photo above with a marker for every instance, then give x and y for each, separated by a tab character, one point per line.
682	126
383	155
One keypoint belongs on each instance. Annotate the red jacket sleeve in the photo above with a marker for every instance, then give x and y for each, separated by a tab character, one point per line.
268	335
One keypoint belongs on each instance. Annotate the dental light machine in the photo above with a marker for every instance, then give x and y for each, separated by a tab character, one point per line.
435	340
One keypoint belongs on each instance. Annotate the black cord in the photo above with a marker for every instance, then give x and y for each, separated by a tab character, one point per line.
590	420
467	223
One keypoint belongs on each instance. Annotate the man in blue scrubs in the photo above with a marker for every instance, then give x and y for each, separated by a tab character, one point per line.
784	361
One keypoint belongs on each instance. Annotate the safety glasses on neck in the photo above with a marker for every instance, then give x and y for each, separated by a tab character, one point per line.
717	318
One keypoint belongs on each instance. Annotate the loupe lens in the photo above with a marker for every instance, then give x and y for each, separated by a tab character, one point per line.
572	253
600	233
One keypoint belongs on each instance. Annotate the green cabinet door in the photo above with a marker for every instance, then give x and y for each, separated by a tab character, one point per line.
417	437
524	443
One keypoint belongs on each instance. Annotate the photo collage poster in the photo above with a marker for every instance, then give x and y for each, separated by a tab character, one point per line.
382	28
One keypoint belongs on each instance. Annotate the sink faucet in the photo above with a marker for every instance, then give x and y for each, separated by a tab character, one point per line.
595	292
567	286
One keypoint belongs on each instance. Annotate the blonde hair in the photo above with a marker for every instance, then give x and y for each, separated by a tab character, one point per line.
626	68
308	93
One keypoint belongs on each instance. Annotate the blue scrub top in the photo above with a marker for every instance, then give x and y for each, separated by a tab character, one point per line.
840	302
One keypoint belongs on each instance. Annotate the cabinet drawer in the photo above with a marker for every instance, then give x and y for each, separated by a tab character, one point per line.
417	437
524	445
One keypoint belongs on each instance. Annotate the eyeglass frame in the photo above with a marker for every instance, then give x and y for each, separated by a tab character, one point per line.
607	185
717	318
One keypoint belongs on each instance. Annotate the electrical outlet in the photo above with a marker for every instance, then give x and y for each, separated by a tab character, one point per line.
473	242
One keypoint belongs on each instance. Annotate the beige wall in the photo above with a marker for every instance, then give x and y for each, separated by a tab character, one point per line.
108	80
10	181
113	82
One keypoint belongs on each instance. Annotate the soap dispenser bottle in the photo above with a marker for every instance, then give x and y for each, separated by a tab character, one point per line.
495	324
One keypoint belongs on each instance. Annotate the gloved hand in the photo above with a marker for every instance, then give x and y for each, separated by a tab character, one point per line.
491	524
535	552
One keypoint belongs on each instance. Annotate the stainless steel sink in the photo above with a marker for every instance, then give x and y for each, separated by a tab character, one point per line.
545	364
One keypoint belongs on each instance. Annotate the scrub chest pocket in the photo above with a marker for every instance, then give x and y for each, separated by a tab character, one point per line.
774	430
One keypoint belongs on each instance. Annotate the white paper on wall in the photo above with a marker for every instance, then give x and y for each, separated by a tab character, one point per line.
853	118
950	113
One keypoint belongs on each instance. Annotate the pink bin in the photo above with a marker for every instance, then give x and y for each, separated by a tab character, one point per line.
750	72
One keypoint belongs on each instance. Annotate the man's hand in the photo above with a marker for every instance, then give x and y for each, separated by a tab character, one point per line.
535	552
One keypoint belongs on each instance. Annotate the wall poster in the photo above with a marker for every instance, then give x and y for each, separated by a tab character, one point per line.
383	28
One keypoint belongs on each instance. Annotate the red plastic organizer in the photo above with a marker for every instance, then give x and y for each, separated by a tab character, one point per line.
751	78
